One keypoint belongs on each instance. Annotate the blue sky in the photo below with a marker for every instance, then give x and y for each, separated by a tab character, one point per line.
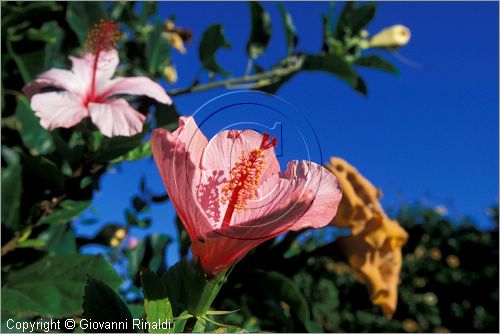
430	133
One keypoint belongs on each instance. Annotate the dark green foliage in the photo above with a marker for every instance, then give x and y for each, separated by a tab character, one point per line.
261	30
449	281
102	304
212	40
53	286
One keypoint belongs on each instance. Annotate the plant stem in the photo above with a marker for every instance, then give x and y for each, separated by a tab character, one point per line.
12	243
275	73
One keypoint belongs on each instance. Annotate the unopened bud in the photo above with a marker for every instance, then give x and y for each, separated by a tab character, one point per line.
391	37
170	74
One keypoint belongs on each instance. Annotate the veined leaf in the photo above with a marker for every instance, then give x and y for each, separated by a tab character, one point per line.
53	286
189	289
103	305
156	301
261	30
212	40
34	136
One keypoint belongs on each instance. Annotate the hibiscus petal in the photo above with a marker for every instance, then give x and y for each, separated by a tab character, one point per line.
107	63
225	149
325	187
58	109
218	250
136	86
54	77
307	195
177	156
116	118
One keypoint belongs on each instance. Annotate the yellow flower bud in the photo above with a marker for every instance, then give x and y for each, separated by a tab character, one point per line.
170	74
391	37
169	25
177	42
120	233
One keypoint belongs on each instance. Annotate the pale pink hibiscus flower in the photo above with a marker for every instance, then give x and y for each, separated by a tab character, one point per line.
88	90
231	195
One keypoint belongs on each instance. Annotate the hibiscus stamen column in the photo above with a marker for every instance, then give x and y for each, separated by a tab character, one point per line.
245	176
103	36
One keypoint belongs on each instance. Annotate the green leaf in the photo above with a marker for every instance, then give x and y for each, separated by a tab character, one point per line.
353	18
156	303
166	116
157	49
53	286
332	64
66	211
180	322
21	66
149	253
123	12
212	40
11	185
149	8
135	259
54	37
281	288
182	236
337	66
60	239
377	63
45	170
362	15
112	148
221	312
82	15
71	150
158	244
104	306
140	152
11	18
290	31
261	30
189	289
361	86
31	243
34	136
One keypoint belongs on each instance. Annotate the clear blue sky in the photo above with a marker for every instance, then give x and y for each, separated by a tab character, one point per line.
429	134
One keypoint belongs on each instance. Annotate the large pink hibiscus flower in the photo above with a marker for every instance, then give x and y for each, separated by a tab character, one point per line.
88	90
231	195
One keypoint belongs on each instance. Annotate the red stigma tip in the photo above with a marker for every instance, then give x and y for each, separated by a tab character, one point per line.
267	143
102	36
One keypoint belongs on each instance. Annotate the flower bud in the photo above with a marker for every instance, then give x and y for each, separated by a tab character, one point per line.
170	74
391	37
